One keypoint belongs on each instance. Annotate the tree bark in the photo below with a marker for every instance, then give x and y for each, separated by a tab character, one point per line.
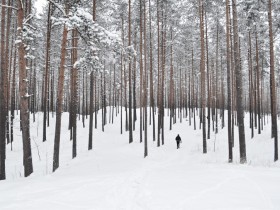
202	72
239	87
59	99
48	46
24	96
91	93
2	97
272	83
129	77
230	157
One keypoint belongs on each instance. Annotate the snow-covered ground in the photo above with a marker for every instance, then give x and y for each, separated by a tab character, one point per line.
114	175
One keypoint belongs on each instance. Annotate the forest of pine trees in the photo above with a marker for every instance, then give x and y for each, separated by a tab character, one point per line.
200	61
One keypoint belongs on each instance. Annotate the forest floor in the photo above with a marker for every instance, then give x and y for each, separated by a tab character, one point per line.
115	174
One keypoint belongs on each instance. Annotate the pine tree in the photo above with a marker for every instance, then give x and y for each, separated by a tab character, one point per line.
24	96
272	84
239	87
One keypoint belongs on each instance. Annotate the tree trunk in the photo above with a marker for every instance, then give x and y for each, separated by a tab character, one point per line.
152	103
24	96
171	87
59	99
145	99
239	87
48	46
74	96
163	53
272	84
230	157
8	60
91	93
258	85
251	86
141	73
129	78
202	71
2	97
208	81
159	78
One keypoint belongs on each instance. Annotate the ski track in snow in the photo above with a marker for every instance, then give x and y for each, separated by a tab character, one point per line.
116	176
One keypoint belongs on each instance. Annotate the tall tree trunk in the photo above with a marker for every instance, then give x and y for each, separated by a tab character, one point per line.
272	84
193	96
171	86
2	97
251	86
8	60
159	79
24	96
145	92
59	99
230	157
258	85
239	87
233	90
216	83
91	93
202	71
163	53
121	78
13	96
129	77
141	72
48	46
134	83
208	81
74	94
152	102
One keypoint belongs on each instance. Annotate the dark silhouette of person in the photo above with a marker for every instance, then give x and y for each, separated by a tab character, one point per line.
178	140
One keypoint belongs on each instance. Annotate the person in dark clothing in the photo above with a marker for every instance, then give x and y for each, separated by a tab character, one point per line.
178	140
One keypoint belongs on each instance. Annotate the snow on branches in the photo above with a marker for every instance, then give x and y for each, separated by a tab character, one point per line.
27	36
94	36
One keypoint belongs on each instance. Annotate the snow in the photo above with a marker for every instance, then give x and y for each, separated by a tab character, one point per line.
115	174
17	42
39	5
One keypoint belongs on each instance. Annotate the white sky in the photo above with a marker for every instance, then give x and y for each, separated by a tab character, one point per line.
39	5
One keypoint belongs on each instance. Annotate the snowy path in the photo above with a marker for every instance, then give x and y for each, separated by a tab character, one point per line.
116	176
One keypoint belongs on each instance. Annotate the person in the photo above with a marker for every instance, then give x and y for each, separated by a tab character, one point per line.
178	140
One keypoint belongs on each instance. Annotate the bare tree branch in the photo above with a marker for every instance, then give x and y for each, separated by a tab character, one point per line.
58	6
8	7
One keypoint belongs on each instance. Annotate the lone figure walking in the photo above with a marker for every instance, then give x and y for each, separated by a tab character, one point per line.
178	140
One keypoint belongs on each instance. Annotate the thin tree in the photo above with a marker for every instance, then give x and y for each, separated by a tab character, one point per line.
158	75
74	94
251	86
91	92
141	71
45	97
202	72
145	92
152	100
129	77
163	62
208	79
8	59
171	87
258	83
230	157
273	103
2	98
